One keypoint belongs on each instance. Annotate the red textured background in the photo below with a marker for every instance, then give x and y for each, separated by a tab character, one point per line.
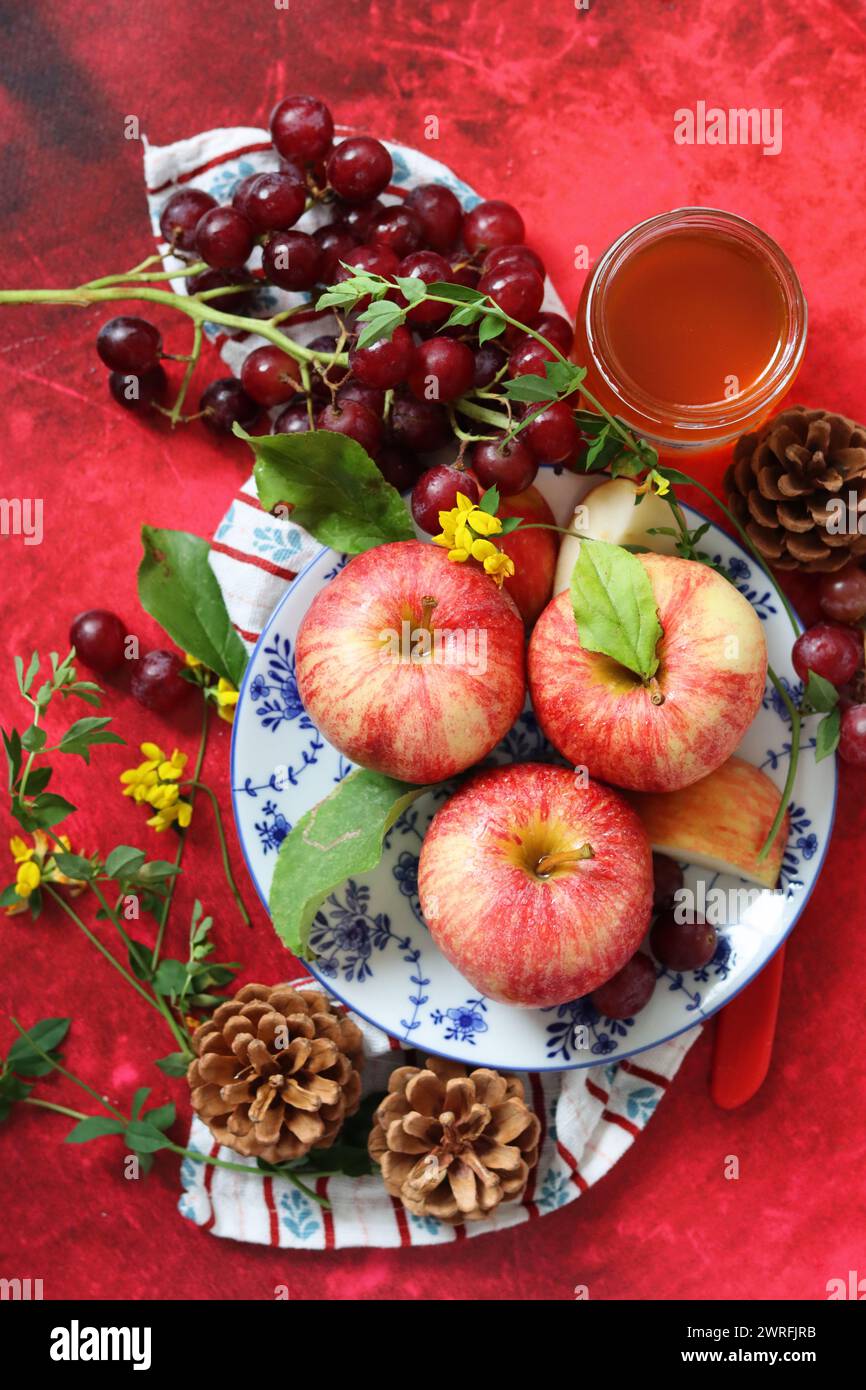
570	115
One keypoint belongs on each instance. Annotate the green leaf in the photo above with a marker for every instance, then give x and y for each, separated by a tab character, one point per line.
138	1100
161	1116
412	287
94	1127
827	736
45	810
33	739
822	696
491	326
124	862
9	897
177	586
614	606
464	317
74	865
38	779
48	1034
379	321
338	839
444	289
175	1064
140	959
335	489
490	502
170	977
156	871
84	733
511	523
12	745
27	679
529	388
145	1138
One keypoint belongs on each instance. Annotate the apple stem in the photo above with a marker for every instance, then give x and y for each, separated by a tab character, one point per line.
428	603
655	691
563	860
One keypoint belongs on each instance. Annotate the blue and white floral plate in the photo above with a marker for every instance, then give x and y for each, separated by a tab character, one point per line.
372	947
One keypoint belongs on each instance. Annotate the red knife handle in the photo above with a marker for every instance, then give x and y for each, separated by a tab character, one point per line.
744	1037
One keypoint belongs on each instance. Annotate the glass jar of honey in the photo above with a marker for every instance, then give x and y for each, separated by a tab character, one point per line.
692	328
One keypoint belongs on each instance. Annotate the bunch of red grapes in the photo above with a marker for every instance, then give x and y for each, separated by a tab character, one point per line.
427	236
835	650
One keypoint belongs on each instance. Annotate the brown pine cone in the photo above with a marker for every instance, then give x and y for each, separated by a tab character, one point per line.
782	480
452	1144
276	1073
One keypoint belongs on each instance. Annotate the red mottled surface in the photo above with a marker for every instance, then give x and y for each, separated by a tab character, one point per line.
571	117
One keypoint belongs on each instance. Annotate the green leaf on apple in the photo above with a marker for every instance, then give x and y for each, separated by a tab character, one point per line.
333	487
339	838
614	607
177	586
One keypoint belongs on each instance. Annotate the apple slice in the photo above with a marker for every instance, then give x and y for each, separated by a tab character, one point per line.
609	513
719	822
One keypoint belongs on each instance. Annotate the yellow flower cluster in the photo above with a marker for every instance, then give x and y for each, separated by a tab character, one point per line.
465	535
154	782
223	694
36	866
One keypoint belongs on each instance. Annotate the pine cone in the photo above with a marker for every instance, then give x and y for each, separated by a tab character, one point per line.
452	1144
782	479
268	1098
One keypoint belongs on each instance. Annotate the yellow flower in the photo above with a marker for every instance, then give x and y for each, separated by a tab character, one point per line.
654	482
483	524
154	783
499	566
171	769
20	850
226	699
190	660
28	878
180	811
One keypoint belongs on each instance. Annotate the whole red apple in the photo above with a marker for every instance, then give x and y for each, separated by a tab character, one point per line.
410	664
535	886
534	553
711	680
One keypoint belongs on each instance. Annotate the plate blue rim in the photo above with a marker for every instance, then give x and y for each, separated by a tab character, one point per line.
327	984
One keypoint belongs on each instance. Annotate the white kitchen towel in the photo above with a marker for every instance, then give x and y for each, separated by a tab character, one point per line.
590	1117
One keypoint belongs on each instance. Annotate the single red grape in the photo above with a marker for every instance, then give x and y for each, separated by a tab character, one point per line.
440	213
224	238
436	491
509	467
502	256
335	241
99	639
397	466
295	419
419	426
275	201
242	192
129	344
553	435
359	169
370	396
358	217
399	228
386	363
138	392
221	279
442	370
181	214
292	260
490	224
489	361
380	260
556	330
628	991
517	289
842	595
302	128
529	358
269	376
430	267
830	651
682	945
355	420
852	735
667	881
225	401
157	682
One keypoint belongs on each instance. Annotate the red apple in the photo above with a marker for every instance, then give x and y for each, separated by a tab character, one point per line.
410	664
712	676
535	886
533	552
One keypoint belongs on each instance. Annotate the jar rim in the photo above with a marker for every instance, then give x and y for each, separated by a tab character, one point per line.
720	419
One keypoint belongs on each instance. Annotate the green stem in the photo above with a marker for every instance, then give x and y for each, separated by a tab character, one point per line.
58	1109
166	905
95	941
230	1167
224	852
57	1066
787	790
195	353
